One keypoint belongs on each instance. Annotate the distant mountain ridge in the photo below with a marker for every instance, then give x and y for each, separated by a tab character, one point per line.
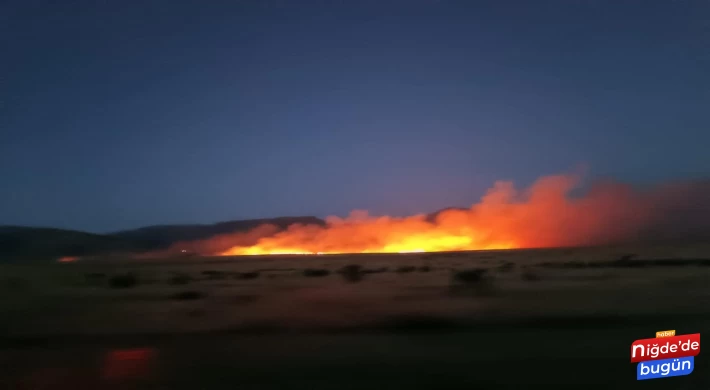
163	235
22	243
19	243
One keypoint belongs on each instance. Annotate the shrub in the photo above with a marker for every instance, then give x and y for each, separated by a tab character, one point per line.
247	275
469	276
214	275
188	295
315	272
352	273
629	264
406	269
626	257
123	280
472	282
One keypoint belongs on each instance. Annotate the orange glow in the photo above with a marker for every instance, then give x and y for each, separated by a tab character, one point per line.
381	235
67	259
543	215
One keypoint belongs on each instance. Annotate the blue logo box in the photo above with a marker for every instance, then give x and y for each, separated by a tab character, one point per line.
653	369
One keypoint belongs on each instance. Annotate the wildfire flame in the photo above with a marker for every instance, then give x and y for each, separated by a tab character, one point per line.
504	219
543	215
391	240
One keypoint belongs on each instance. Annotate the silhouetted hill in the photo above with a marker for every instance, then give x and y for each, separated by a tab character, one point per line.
165	235
19	243
22	243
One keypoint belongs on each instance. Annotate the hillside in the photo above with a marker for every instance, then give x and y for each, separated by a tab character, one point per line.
20	243
166	235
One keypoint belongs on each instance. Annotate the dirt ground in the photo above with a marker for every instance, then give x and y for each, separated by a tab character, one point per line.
561	317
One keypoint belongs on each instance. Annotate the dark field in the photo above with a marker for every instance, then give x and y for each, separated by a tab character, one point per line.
564	318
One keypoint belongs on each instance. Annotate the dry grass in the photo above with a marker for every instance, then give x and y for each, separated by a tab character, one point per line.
57	298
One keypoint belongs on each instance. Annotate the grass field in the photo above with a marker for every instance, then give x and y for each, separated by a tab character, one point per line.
497	319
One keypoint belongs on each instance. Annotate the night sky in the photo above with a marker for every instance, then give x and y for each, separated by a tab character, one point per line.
118	114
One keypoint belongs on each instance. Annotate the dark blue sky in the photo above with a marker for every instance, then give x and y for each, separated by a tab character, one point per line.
114	116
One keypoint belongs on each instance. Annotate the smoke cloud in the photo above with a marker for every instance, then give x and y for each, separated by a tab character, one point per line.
544	215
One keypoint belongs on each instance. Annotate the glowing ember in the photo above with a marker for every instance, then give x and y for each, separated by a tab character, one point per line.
67	259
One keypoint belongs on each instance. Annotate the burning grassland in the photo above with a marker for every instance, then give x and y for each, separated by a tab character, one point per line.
546	214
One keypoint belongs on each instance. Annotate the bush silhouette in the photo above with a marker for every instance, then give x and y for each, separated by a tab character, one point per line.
188	295
123	280
247	275
312	272
472	281
214	275
469	276
626	257
406	269
352	273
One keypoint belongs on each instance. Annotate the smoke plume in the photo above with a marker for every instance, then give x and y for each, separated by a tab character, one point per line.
544	215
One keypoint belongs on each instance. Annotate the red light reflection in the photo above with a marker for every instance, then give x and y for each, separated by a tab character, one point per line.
122	364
